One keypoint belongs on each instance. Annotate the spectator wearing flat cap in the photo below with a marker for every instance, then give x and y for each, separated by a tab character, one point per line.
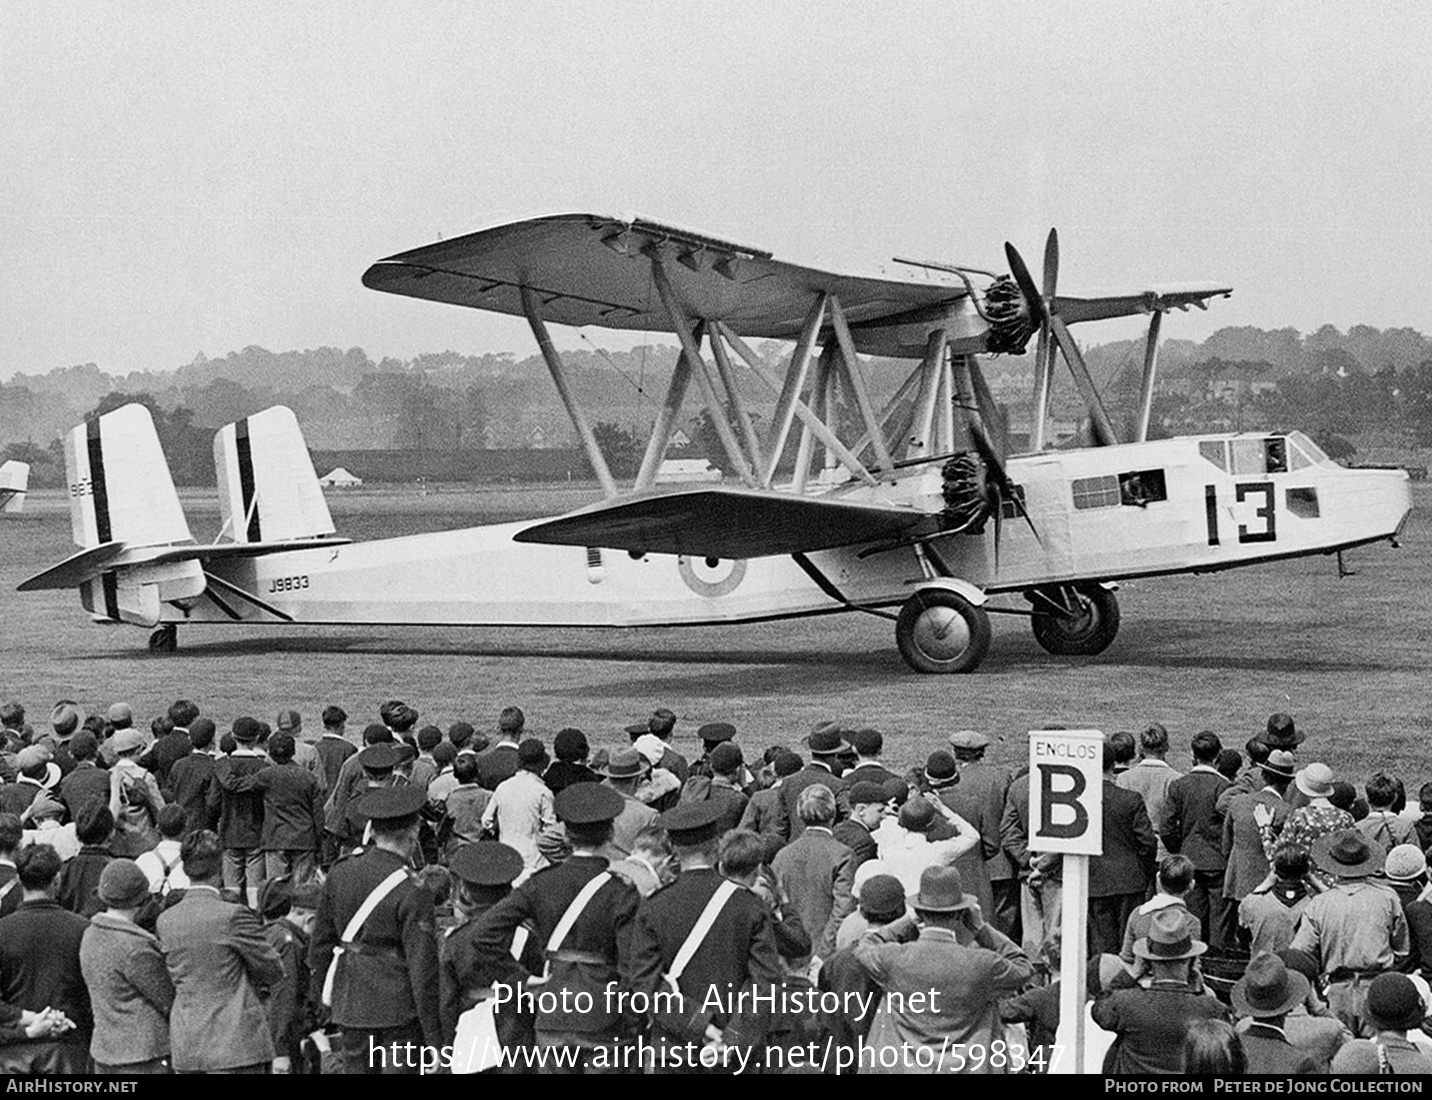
667	922
500	762
1356	930
827	744
593	911
1252	820
383	983
1405	870
130	990
241	813
292	809
961	966
720	782
134	797
521	811
623	772
816	871
1266	993
1151	1008
40	960
191	779
1394	1007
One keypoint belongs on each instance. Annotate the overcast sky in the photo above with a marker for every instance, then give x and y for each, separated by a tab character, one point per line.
197	176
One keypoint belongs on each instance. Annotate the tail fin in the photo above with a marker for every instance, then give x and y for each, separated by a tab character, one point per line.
121	495
268	490
120	488
14	481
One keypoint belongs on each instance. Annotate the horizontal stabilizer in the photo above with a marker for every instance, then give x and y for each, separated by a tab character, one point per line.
724	523
114	556
1094	307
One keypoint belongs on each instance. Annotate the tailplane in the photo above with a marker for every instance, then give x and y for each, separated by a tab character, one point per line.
268	491
14	481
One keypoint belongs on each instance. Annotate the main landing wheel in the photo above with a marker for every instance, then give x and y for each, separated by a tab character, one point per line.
940	631
1074	620
165	639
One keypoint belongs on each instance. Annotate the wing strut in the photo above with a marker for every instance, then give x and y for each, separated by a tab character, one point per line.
785	411
559	378
1151	361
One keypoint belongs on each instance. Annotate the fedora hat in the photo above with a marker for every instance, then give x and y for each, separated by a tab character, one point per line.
942	891
827	741
1279	763
1168	938
625	764
1348	854
1268	988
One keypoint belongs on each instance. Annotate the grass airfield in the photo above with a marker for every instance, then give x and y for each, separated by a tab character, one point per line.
1349	658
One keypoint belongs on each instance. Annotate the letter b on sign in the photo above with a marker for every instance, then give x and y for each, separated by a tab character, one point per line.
1066	792
1060	788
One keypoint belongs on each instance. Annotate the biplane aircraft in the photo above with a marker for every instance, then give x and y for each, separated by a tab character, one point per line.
924	519
14	482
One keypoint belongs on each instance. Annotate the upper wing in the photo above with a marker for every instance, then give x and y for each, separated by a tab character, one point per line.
1094	307
591	270
713	522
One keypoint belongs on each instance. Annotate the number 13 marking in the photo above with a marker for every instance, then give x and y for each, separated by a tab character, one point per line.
1265	513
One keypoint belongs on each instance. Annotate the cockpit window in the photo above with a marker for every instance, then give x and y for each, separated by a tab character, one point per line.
1268	455
1215	451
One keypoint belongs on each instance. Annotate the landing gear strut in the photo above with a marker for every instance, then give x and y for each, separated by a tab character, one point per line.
1074	620
165	639
941	631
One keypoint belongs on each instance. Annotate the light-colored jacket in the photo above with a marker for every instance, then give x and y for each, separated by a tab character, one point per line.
130	991
217	957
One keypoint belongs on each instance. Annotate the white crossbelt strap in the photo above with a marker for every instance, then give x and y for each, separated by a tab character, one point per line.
519	941
700	930
574	911
371	902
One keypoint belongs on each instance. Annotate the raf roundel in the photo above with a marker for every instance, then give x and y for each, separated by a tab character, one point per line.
711	577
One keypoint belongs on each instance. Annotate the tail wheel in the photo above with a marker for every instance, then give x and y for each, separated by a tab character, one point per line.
1074	620
940	631
165	639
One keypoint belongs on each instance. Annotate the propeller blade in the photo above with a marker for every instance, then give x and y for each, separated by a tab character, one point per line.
1051	265
1025	280
994	465
994	423
1104	434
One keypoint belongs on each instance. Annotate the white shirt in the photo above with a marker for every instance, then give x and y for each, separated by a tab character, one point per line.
522	810
152	864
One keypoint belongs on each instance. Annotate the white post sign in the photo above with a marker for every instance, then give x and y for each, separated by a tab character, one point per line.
1066	815
1066	792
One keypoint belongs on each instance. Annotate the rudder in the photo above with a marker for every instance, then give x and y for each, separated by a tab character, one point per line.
14	481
